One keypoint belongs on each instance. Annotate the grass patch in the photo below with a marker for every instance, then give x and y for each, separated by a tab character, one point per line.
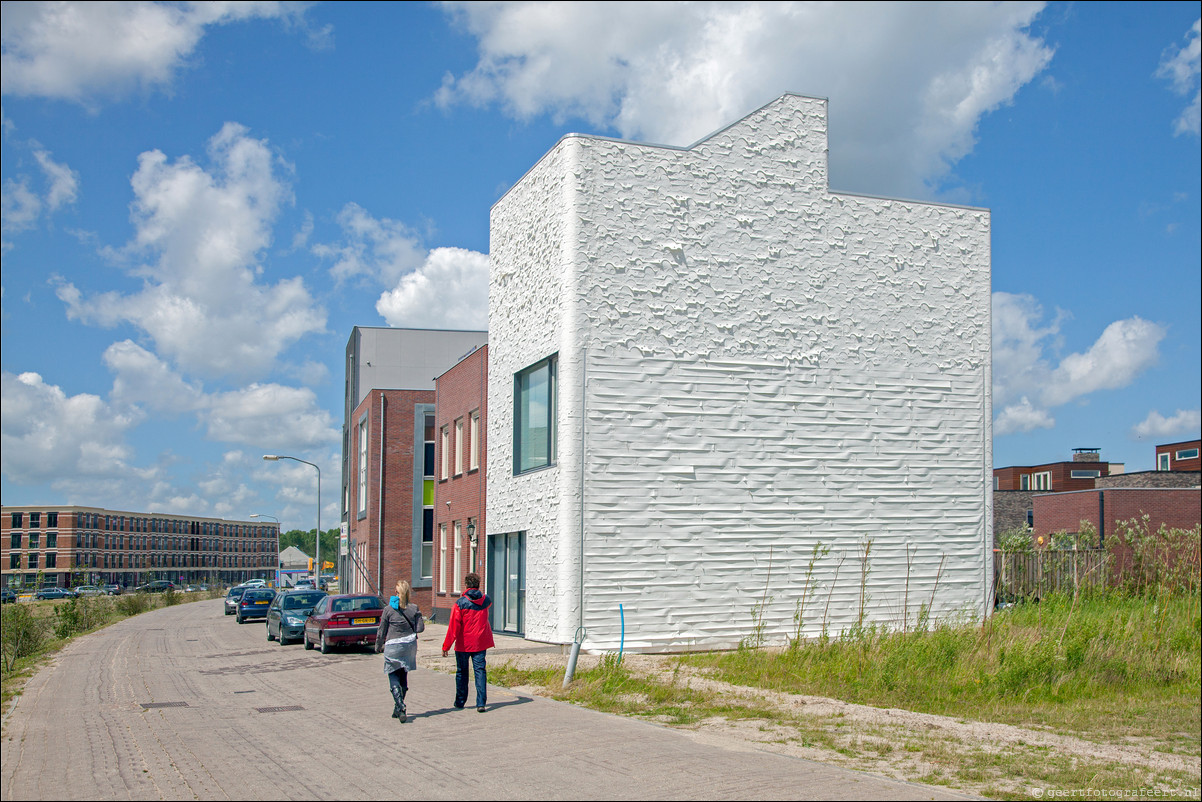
1110	668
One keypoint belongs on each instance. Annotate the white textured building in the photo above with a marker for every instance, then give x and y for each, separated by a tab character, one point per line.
704	363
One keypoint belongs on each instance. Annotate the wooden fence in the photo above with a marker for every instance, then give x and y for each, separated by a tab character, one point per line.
1034	575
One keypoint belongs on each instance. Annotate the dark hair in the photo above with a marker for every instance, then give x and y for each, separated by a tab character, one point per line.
472	581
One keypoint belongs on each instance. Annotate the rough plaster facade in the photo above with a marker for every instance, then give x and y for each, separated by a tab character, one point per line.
750	365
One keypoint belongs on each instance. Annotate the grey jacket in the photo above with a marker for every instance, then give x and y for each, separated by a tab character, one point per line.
397	625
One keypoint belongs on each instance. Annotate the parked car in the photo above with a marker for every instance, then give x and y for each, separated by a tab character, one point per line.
54	593
157	586
287	613
7	595
255	583
254	604
112	590
304	583
232	597
343	620
88	590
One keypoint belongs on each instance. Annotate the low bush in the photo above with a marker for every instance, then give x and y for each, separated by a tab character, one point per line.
22	634
134	603
81	614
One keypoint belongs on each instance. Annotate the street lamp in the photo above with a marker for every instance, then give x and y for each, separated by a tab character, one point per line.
276	457
277	543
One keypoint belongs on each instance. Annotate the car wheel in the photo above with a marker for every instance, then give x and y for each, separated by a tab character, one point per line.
325	644
270	637
308	643
282	639
238	617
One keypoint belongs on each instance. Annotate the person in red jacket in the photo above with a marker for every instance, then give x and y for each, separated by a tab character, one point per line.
471	635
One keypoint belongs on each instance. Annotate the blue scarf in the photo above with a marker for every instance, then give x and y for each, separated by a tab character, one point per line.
395	603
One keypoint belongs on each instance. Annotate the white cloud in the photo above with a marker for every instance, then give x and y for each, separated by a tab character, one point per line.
379	250
1182	67
73	50
64	182
1022	417
205	229
271	416
449	291
48	436
23	206
1026	383
1126	349
1184	422
675	72
142	380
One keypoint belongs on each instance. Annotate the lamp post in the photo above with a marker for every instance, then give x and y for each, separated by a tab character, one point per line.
276	457
277	543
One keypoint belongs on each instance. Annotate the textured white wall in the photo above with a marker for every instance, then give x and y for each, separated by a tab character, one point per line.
769	366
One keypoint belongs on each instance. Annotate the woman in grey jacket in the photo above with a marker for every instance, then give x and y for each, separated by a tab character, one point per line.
396	637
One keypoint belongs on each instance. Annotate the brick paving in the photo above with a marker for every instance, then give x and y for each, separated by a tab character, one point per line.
183	703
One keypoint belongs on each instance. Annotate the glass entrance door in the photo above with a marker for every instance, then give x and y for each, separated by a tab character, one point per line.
507	581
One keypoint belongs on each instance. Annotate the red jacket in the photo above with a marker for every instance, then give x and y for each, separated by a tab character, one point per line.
468	628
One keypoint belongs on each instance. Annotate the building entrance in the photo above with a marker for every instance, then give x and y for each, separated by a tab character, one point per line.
506	580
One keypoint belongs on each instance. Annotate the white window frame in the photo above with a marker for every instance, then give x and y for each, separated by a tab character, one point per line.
1086	474
474	441
458	553
1187	453
442	558
1041	480
444	439
459	447
1164	461
1024	481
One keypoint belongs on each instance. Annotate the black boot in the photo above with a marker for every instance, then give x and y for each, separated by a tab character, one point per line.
398	708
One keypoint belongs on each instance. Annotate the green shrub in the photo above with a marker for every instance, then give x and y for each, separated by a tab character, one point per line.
21	634
133	603
171	597
81	614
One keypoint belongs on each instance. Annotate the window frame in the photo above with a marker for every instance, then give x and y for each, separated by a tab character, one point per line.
473	463
521	383
1186	453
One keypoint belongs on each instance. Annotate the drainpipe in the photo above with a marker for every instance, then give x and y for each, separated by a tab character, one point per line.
380	501
580	631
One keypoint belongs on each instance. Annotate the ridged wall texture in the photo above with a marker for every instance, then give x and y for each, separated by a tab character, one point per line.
749	366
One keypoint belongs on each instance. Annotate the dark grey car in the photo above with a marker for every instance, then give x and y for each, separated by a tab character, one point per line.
287	613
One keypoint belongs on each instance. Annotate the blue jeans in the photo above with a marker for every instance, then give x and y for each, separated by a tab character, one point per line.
481	672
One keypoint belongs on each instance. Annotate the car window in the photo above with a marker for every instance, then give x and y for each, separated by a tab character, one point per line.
322	605
275	604
357	603
300	601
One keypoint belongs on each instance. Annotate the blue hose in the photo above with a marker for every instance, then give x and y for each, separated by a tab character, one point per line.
622	642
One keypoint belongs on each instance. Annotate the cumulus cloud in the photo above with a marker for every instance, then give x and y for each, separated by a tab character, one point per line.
270	415
47	435
449	291
1022	417
204	229
1181	66
74	50
381	251
1183	422
23	205
1026	383
674	72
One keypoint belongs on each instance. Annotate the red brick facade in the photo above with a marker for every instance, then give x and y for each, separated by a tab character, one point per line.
394	453
462	410
1059	476
1176	508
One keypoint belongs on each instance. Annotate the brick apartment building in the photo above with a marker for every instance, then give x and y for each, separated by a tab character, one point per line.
388	454
461	412
70	545
1016	486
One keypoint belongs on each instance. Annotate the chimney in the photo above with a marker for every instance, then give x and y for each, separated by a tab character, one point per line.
1087	455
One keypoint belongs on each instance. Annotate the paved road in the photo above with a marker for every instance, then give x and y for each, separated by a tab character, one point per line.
183	703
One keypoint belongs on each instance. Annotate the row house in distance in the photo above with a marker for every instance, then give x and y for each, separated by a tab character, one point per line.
388	454
1181	456
461	414
72	545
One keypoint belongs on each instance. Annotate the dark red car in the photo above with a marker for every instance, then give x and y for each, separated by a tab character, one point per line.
344	620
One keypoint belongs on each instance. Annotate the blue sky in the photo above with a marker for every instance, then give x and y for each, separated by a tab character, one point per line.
201	200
